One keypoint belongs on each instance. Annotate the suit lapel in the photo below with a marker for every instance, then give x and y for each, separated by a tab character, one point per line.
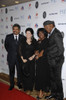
52	33
12	38
19	37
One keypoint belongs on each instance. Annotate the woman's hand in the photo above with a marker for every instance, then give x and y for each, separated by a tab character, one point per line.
24	60
39	55
32	57
36	57
36	53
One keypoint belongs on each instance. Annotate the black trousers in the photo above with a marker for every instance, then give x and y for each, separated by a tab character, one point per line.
12	73
55	79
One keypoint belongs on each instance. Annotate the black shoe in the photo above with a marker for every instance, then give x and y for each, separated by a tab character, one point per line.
11	87
20	86
50	96
38	98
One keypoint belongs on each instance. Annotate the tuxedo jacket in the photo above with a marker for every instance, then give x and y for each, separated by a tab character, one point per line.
12	48
56	48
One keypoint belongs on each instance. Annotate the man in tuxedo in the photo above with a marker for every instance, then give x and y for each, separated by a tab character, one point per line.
11	45
55	59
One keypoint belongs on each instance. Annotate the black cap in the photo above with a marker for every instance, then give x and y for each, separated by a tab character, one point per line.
48	22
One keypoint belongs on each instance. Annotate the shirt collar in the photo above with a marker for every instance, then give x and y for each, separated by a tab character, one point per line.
51	32
17	36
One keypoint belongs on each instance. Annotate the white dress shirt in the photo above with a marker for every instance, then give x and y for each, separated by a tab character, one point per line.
16	36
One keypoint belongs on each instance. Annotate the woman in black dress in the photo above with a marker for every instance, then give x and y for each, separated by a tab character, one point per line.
27	49
42	68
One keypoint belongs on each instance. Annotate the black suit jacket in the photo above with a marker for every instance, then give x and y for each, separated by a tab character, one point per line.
12	48
56	48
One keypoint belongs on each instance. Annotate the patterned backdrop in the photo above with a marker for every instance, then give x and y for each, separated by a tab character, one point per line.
32	14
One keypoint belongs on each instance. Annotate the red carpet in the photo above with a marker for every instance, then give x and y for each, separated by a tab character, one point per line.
15	94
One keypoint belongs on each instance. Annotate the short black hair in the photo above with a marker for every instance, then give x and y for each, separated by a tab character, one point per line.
16	25
48	22
43	31
30	29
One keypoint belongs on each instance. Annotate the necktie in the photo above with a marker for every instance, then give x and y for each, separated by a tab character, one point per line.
16	38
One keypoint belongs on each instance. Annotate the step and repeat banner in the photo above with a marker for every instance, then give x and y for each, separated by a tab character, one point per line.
32	14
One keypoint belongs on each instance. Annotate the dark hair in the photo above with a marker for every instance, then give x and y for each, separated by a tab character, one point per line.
32	32
48	22
16	25
43	31
30	29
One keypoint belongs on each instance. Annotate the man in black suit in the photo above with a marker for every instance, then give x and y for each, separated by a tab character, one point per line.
55	59
11	44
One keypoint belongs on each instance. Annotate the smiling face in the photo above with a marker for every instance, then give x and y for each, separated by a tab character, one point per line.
28	35
49	28
16	30
41	35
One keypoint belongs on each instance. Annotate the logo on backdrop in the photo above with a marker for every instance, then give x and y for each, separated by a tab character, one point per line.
16	18
16	8
63	11
29	17
22	17
6	19
11	25
2	61
1	26
6	27
62	23
63	0
22	25
6	33
11	18
2	47
7	63
53	1
29	6
1	33
29	24
1	19
2	55
2	41
22	8
36	15
36	25
11	9
1	11
44	14
36	4
53	13
44	3
6	10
